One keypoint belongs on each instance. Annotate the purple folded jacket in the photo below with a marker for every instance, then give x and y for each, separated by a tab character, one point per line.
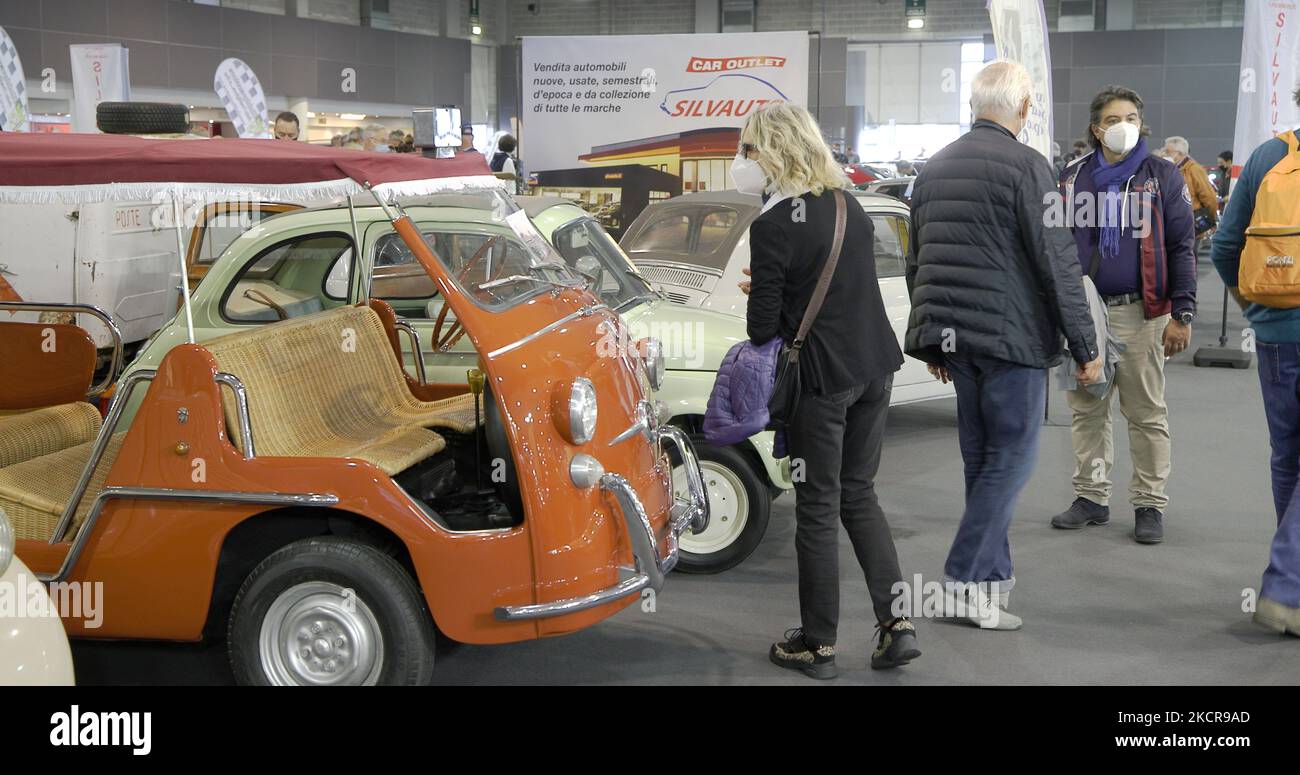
738	404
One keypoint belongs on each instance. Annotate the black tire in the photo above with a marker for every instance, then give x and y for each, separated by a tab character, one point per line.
142	118
378	581
759	510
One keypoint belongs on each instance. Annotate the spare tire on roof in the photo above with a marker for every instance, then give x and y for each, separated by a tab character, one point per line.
142	118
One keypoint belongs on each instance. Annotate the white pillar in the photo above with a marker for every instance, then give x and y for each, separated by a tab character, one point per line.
707	16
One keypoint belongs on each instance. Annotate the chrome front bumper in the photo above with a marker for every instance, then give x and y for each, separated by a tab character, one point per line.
649	569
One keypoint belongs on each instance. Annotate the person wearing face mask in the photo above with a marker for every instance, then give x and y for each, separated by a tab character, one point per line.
846	367
994	287
1131	214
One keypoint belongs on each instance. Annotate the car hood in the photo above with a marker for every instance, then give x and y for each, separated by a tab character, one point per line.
693	339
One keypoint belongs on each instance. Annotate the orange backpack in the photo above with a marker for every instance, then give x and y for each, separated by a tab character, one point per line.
1270	272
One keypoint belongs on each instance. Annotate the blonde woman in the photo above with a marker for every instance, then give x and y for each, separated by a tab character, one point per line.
846	367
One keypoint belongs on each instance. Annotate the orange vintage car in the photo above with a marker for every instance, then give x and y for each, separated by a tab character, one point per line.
292	488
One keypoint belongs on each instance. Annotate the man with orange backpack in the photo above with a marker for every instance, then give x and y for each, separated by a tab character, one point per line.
1255	253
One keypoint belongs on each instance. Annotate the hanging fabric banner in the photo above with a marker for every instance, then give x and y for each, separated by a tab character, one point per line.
13	89
241	95
1020	34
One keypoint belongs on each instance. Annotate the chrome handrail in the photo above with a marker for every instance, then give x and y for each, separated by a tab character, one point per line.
164	493
124	390
115	364
648	572
416	352
241	407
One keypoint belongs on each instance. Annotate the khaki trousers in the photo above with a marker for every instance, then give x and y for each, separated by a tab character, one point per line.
1140	381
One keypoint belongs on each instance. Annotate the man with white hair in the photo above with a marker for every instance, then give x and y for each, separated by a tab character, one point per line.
995	283
1205	200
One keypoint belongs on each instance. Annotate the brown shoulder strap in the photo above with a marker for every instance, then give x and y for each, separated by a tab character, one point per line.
824	282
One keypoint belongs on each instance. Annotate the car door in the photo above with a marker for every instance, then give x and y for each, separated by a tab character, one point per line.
890	230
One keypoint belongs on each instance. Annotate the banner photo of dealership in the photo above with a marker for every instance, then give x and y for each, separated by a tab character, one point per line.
615	123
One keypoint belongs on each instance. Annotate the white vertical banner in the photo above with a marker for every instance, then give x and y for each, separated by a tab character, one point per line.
100	73
1268	75
13	89
241	95
1020	34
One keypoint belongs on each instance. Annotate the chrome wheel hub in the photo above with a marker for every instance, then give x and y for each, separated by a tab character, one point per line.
319	633
728	508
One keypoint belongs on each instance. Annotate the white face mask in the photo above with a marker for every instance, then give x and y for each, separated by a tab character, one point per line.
1121	138
748	176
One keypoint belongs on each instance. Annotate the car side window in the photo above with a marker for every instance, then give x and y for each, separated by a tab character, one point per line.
890	244
715	227
670	233
286	280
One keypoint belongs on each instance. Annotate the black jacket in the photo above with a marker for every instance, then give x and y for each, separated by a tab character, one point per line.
986	274
851	342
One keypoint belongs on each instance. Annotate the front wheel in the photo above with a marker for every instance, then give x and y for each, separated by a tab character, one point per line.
739	507
328	611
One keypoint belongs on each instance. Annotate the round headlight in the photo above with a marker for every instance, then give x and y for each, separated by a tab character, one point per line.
582	411
7	538
652	355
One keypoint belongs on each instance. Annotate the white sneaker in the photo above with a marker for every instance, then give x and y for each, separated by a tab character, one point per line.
979	608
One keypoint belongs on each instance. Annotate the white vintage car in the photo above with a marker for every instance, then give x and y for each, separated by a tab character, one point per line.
33	648
693	248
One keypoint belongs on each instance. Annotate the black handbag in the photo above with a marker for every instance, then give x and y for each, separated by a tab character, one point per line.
1205	220
788	386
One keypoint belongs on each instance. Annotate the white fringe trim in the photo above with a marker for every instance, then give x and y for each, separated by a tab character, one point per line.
286	192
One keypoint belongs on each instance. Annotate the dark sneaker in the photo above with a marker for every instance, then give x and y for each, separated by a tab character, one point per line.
795	653
897	646
1082	512
1148	527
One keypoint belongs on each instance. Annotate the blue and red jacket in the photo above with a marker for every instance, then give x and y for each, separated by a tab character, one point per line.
1167	252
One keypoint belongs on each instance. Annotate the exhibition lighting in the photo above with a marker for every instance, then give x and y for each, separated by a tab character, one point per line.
915	23
353	116
476	29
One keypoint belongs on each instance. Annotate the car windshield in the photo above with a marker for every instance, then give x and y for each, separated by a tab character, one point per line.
494	269
591	253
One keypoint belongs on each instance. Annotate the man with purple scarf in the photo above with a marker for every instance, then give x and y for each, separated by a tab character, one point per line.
1131	215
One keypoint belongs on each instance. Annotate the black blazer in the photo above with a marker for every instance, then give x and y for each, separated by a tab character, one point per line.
851	342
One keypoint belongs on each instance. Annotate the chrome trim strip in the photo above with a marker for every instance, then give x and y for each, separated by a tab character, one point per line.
166	494
417	354
241	407
586	311
115	365
649	570
124	390
694	476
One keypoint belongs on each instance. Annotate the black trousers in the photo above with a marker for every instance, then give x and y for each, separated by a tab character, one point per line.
834	442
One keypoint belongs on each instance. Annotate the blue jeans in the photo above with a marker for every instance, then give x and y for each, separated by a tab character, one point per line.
1279	381
999	415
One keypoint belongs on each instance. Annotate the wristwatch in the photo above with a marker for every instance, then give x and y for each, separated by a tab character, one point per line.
1186	318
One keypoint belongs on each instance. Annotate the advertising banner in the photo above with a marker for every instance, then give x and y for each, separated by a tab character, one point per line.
1269	74
1020	34
241	95
13	94
100	73
615	122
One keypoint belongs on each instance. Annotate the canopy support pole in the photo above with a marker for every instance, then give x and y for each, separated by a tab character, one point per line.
185	275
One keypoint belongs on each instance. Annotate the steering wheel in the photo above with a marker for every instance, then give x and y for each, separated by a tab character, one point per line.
478	256
258	297
443	342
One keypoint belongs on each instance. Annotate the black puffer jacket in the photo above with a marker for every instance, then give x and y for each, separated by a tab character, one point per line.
987	275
